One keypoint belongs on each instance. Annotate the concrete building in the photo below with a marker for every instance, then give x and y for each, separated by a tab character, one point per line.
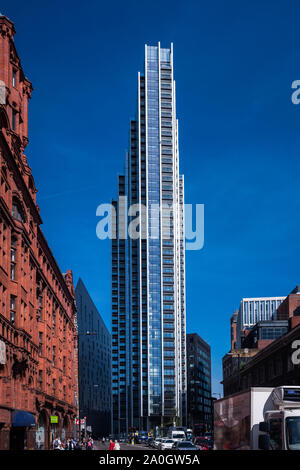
38	364
198	382
148	271
94	356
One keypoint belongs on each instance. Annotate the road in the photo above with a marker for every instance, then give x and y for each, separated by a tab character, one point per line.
124	446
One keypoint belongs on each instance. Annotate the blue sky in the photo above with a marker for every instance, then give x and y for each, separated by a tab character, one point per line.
239	137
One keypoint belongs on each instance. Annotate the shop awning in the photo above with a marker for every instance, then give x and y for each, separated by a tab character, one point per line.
22	418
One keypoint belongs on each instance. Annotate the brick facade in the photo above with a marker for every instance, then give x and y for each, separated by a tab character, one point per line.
290	308
38	374
233	329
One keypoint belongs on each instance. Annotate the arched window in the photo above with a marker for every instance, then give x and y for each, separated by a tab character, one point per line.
17	211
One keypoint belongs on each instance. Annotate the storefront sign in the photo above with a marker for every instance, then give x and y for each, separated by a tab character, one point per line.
2	352
54	419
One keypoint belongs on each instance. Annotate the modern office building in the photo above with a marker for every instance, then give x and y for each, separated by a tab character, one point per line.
148	270
253	310
94	362
199	382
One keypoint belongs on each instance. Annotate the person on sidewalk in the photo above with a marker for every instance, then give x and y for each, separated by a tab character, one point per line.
111	445
117	445
57	443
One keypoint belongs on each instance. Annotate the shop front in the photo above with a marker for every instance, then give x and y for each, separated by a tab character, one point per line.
22	431
42	431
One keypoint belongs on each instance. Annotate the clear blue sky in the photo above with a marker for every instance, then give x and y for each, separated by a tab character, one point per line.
239	137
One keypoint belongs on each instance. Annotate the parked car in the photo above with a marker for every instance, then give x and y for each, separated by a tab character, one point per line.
184	445
166	444
157	441
204	442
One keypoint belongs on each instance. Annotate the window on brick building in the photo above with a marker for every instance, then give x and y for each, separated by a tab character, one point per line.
13	259
40	310
40	344
40	379
64	364
17	212
12	308
53	356
54	385
2	299
14	120
53	321
14	78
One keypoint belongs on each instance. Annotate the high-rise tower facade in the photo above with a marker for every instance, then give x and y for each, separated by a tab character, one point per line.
148	266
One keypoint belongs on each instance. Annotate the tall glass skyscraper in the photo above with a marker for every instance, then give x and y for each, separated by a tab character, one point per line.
148	269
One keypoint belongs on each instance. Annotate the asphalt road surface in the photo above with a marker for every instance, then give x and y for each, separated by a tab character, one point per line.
124	446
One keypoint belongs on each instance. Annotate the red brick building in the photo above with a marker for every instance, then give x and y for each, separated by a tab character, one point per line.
233	329
290	308
38	364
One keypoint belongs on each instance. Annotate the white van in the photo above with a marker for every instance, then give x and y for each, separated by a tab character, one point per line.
176	435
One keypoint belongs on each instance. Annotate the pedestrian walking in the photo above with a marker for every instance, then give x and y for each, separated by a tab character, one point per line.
117	446
111	445
57	444
72	444
89	444
39	443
